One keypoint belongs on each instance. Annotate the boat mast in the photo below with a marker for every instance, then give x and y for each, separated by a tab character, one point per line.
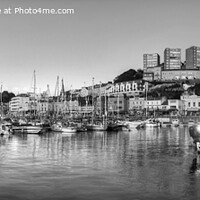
70	106
105	112
1	101
92	100
118	106
105	104
146	88
85	103
57	97
62	94
34	90
100	98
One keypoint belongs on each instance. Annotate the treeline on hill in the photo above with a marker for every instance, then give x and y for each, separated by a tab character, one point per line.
129	75
196	89
171	91
7	96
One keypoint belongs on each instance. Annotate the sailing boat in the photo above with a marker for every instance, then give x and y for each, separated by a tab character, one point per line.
25	127
61	126
101	126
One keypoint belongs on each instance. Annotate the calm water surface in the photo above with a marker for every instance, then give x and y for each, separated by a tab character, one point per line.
141	164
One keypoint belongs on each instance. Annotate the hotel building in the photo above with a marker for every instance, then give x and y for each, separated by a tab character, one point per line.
193	57
172	58
150	61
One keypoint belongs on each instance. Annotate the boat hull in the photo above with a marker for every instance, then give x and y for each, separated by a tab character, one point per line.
69	130
94	127
152	125
56	129
27	129
4	130
134	124
117	127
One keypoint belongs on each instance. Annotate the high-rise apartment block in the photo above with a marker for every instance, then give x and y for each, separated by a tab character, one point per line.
193	57
172	58
150	61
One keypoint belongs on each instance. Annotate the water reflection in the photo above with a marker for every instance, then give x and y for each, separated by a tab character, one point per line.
143	164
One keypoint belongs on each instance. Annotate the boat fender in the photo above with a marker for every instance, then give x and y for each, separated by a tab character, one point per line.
194	134
198	147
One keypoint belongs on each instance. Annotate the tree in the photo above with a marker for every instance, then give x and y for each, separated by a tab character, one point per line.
197	89
7	96
129	75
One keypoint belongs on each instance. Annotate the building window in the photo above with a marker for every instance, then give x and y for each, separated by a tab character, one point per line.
188	104
194	104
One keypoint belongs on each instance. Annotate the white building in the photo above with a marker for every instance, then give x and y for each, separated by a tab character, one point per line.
44	107
128	87
191	102
154	104
136	103
19	104
175	104
180	74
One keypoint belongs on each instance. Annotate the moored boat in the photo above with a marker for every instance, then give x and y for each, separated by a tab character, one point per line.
175	122
56	127
134	124
69	129
152	123
60	127
117	126
81	129
26	128
96	127
4	130
166	124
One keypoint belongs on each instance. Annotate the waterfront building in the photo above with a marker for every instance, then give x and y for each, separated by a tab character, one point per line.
72	106
172	58
44	107
97	89
193	57
129	87
191	103
180	74
117	103
136	103
150	61
59	107
153	104
85	109
176	105
19	104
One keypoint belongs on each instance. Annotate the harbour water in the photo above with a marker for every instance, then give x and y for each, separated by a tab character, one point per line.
140	164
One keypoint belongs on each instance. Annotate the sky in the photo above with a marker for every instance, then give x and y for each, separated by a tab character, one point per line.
102	39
